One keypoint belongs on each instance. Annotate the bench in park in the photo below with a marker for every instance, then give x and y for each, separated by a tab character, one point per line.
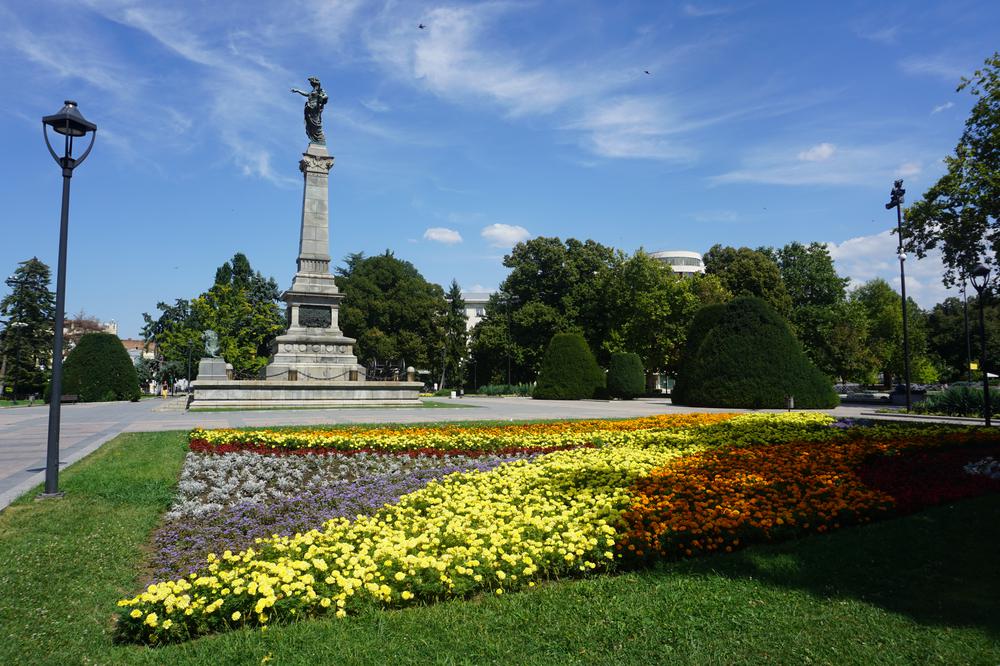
68	399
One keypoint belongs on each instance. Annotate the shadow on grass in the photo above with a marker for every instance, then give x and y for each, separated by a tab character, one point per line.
938	567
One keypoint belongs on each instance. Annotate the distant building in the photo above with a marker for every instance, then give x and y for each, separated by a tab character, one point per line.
681	261
138	349
475	307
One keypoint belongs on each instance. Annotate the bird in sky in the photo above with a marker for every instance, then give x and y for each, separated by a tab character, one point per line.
421	26
646	71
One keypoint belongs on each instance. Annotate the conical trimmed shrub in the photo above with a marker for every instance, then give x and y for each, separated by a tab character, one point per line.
569	370
99	369
748	357
626	376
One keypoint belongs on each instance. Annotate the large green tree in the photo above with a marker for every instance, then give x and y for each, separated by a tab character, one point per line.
241	307
819	314
960	213
652	309
28	315
884	315
553	286
392	311
456	338
746	272
946	335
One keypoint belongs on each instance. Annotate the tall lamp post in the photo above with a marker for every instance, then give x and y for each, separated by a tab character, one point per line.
968	339
896	201
508	299
71	124
980	279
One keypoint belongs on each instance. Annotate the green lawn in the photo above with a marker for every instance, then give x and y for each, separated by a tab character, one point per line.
922	589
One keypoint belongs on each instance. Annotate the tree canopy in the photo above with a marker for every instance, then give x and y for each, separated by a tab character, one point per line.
746	272
241	306
28	314
396	316
960	213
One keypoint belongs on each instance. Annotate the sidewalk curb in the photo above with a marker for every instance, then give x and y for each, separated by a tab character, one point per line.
9	496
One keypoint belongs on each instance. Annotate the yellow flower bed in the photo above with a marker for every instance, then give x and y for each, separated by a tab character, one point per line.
453	438
560	514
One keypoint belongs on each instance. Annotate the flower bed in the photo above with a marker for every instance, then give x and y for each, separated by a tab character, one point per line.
709	482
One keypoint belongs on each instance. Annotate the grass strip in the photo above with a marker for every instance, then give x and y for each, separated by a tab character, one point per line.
916	590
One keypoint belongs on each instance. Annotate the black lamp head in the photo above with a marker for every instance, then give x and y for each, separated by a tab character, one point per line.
69	121
980	276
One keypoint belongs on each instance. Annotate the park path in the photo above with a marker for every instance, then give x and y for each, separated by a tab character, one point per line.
85	427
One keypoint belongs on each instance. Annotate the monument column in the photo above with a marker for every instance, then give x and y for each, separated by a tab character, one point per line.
314	238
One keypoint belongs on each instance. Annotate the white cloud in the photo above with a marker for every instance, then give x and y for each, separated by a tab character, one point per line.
633	127
822	165
443	235
504	235
883	36
375	105
818	153
942	66
449	58
701	11
867	257
942	107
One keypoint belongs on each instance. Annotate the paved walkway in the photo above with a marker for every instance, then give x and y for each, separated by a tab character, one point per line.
85	427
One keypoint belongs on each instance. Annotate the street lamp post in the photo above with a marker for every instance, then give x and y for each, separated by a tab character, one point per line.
508	298
71	124
980	279
896	201
968	339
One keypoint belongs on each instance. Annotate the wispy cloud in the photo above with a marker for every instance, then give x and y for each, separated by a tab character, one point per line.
701	11
636	127
449	59
818	153
941	65
887	35
504	235
443	235
867	257
942	107
823	164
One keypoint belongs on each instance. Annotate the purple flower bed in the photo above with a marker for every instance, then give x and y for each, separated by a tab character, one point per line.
182	543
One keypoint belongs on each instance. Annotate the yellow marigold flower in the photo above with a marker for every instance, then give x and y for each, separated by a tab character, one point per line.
136	613
236	615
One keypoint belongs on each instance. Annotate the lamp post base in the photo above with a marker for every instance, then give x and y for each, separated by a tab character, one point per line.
49	496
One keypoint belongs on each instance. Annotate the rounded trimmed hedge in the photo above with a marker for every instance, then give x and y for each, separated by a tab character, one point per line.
99	369
626	376
569	370
744	354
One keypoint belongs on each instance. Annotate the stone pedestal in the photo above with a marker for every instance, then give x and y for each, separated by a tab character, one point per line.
313	347
214	368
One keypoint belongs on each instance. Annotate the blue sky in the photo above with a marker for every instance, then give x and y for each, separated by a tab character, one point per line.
759	123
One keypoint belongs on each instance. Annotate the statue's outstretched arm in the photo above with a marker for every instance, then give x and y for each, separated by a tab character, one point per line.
296	90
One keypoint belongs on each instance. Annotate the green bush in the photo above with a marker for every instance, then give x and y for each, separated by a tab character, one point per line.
958	401
504	389
569	370
703	322
745	355
626	376
100	370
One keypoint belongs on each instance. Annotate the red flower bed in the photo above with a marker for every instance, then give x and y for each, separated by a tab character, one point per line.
921	478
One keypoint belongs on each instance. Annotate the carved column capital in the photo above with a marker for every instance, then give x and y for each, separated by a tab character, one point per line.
315	164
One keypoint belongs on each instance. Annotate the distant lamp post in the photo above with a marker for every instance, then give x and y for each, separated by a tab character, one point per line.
71	124
980	280
896	201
